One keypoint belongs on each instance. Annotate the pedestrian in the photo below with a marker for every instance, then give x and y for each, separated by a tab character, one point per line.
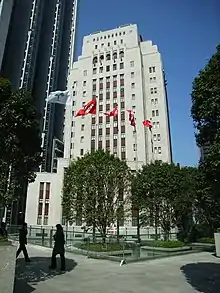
58	248
23	242
3	230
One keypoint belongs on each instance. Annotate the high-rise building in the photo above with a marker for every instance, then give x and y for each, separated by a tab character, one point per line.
38	54
118	68
5	16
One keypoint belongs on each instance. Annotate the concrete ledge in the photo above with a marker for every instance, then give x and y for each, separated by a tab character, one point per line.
163	249
7	267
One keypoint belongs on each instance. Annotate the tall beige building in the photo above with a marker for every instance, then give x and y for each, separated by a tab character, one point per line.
118	68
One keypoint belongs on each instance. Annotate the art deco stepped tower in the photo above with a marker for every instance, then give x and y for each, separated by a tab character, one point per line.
38	53
117	67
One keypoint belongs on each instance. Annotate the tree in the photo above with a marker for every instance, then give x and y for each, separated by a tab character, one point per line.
205	113
93	190
20	149
161	192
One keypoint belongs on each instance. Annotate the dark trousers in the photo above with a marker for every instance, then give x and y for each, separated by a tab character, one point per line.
22	248
54	260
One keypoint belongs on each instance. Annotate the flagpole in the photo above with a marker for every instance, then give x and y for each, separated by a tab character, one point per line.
43	133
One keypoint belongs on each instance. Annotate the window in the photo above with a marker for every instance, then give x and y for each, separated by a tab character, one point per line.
82	127
132	85
39	220
132	74
41	190
155	101
121	41
155	150
133	96
101	70
84	83
121	65
84	93
115	42
152	69
45	221
107	68
132	63
159	150
158	137
82	139
47	190
155	90
94	81
151	90
157	112
40	209
46	209
114	66
85	72
153	79
96	46
123	155
108	44
81	152
108	57
74	93
158	124
153	113
155	137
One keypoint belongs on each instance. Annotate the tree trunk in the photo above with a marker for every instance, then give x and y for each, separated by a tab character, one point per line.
93	233
118	232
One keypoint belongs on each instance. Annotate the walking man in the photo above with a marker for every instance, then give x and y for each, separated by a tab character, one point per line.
58	248
23	242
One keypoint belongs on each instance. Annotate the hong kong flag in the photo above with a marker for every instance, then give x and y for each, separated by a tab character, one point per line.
131	118
113	113
148	124
89	108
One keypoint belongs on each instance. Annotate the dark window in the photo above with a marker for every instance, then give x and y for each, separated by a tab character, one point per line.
100	97
123	129
100	131
93	132
46	209
107	119
100	144
107	96
41	190
115	83
100	108
94	87
93	120
122	105
107	143
81	152
122	116
123	142
101	86
122	93
107	107
121	82
107	68
100	120
107	131
121	65
40	209
114	142
123	155
108	85
47	190
92	145
114	95
115	130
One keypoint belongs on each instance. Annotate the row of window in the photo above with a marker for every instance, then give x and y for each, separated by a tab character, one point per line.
110	36
108	68
108	44
85	72
108	56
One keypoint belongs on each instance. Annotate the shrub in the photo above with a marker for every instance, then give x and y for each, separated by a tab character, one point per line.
164	244
206	240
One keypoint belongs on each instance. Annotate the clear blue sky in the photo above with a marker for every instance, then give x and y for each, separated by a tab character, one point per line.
186	33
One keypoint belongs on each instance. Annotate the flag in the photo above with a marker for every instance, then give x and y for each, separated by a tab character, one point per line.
89	108
58	97
114	112
148	124
131	118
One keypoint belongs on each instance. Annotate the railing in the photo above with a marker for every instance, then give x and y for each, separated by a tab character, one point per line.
116	249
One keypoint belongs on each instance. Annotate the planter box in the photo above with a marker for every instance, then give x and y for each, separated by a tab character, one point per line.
163	249
7	266
217	244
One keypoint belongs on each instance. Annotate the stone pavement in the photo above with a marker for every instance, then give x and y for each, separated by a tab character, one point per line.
181	274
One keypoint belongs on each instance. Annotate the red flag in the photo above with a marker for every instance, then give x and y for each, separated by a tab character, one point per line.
114	112
148	124
89	108
131	118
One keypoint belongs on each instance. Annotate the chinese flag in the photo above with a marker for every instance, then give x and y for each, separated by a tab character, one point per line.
148	124
131	118
89	108
113	113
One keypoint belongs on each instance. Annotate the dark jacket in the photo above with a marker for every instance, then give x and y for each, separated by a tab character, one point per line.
23	236
59	242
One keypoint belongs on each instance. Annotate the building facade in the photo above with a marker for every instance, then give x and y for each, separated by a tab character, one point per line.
38	54
116	68
5	16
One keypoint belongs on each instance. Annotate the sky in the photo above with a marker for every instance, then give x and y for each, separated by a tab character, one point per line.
186	33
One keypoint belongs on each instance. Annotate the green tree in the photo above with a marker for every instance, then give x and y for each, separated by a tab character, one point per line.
161	192
205	113
93	190
20	149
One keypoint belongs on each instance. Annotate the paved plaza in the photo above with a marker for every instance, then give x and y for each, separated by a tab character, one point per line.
181	274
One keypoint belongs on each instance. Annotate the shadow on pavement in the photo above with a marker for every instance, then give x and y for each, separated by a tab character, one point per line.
204	276
28	274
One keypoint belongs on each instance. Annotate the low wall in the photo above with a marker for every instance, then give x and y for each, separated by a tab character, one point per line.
7	267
